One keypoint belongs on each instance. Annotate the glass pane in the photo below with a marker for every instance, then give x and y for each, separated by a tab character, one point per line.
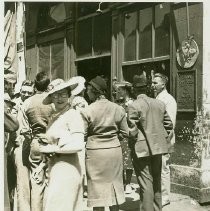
145	33
86	8
31	62
50	14
44	58
102	29
130	36
162	29
131	70
58	12
57	59
84	38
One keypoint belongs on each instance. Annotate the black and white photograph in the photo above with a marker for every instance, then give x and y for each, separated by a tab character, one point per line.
106	106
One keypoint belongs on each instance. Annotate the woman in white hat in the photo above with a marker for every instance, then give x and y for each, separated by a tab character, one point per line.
78	100
65	137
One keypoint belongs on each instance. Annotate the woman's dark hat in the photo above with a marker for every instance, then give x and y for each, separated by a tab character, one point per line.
139	81
99	84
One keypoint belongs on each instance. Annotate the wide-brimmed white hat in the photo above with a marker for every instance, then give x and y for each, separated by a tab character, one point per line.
57	85
81	84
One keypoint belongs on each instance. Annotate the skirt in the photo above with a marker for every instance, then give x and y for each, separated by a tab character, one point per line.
64	192
104	177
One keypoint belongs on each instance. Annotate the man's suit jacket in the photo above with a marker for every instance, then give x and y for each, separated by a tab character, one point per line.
149	126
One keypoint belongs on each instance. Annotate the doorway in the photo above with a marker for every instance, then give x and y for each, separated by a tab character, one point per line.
91	68
150	68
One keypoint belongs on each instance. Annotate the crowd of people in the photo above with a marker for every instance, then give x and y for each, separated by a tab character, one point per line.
61	147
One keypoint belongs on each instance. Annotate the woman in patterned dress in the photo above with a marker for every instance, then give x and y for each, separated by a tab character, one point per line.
123	98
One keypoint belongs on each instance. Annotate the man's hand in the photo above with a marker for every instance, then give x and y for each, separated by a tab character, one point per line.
19	140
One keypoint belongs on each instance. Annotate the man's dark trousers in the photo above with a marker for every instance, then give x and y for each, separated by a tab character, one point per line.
148	172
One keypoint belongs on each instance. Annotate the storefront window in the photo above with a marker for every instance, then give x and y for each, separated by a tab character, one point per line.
130	20
51	14
94	36
31	62
51	59
44	58
102	28
145	33
162	29
84	38
57	55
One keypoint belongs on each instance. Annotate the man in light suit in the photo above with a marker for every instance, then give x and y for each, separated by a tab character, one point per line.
149	126
159	83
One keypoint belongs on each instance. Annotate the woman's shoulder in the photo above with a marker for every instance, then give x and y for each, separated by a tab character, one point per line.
71	113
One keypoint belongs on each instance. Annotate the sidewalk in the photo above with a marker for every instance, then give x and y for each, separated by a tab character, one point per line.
178	203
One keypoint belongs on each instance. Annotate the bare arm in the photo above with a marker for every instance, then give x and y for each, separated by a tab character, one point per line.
123	126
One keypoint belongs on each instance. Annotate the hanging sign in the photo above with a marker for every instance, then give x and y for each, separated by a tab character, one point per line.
187	53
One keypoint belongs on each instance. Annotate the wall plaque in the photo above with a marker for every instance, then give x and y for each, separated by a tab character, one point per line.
186	90
187	53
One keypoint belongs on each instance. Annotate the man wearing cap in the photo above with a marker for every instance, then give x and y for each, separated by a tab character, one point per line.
37	116
9	81
159	83
22	186
149	126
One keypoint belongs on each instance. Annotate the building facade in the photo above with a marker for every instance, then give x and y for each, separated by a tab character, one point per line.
119	40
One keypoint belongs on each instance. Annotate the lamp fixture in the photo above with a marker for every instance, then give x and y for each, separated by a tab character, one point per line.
99	8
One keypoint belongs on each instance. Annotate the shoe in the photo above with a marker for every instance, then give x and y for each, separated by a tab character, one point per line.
165	203
85	194
128	189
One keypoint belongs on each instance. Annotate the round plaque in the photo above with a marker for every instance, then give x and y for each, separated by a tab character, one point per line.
187	53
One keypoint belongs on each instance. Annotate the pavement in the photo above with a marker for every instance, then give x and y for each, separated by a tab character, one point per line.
178	203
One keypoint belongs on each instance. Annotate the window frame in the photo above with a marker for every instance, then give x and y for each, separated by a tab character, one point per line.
49	43
153	58
92	17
